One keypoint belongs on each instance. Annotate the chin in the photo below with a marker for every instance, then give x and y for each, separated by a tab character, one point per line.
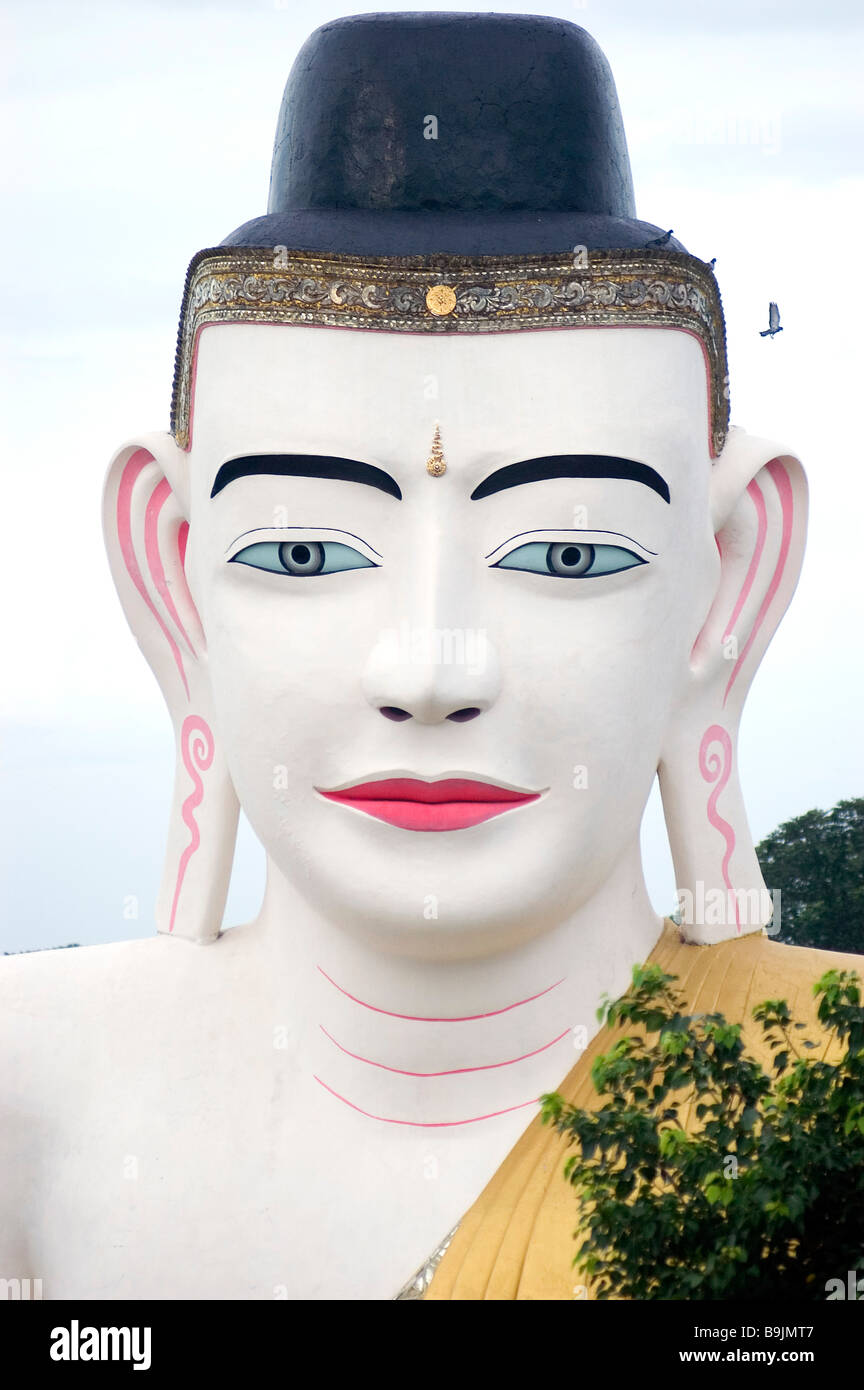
453	896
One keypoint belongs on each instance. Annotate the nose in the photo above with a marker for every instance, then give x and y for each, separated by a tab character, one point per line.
432	674
459	716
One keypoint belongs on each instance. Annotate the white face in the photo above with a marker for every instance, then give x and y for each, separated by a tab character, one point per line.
534	640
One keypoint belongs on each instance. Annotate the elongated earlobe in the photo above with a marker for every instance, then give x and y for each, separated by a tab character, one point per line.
147	535
760	510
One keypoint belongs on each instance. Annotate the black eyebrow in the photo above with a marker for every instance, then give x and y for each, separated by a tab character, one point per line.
571	466
305	466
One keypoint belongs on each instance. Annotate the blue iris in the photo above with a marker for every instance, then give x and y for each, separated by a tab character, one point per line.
570	560
302	558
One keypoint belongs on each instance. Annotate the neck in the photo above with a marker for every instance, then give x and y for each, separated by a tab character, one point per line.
436	1044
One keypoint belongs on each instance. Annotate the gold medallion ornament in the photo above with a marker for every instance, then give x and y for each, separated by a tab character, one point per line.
435	464
650	288
441	299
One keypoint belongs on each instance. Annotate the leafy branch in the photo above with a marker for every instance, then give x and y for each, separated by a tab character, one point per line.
704	1176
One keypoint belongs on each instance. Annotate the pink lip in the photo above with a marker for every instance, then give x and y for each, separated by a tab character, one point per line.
411	804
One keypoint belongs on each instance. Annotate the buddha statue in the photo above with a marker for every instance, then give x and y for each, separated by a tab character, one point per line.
450	548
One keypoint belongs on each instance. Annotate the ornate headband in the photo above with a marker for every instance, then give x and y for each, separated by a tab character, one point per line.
453	294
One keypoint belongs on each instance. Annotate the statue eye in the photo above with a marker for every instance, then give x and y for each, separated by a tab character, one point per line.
569	559
302	558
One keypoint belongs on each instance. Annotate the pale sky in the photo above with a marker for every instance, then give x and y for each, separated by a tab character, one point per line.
136	134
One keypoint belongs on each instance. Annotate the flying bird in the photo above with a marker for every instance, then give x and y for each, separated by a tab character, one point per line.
773	322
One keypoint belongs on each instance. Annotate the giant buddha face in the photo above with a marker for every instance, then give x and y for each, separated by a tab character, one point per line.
443	698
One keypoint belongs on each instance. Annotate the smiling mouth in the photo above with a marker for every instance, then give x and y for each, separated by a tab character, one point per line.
410	803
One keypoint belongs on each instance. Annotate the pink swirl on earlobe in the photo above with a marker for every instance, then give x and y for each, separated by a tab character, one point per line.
754	492
196	749
136	465
717	767
780	478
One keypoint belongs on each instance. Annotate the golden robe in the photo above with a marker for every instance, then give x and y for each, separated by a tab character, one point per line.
517	1239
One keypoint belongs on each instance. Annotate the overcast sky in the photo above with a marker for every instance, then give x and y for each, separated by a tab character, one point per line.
136	134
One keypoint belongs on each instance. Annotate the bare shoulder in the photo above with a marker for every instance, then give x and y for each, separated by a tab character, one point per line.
58	1008
66	980
65	1013
75	1024
56	1004
39	986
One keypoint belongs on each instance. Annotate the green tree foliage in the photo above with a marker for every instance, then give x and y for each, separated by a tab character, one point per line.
765	1197
817	862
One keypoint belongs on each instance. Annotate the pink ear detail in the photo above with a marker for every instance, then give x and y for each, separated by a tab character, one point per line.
754	492
137	463
717	767
158	498
196	750
780	478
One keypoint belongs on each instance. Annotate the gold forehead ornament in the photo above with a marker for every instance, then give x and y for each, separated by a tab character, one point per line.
435	464
441	300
